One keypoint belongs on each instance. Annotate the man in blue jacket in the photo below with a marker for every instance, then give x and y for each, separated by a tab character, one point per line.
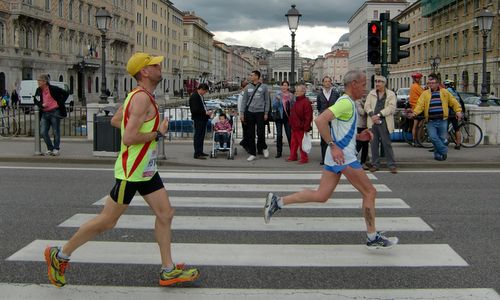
51	100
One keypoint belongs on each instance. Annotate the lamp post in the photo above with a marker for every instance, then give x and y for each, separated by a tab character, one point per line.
103	20
485	22
293	17
434	62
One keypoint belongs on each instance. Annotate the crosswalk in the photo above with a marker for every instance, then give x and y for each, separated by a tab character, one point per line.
233	206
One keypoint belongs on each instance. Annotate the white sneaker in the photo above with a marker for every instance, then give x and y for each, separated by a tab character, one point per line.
48	153
266	153
55	152
251	158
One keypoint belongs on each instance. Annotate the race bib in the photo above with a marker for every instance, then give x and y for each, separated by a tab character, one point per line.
150	168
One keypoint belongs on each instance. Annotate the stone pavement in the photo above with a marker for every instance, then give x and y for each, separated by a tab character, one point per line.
180	153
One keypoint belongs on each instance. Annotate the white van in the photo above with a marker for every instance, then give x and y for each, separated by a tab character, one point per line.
28	89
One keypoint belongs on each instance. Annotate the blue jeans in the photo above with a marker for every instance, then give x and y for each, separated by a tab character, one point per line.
48	120
438	133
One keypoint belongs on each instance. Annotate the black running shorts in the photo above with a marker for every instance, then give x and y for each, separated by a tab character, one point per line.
124	191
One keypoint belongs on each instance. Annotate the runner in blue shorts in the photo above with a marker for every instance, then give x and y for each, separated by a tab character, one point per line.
341	159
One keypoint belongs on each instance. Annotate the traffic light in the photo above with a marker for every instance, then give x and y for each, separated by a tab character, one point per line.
374	34
397	41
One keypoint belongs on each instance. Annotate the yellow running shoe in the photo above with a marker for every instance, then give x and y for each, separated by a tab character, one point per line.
55	266
178	275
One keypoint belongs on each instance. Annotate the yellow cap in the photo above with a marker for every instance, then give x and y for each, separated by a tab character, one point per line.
140	60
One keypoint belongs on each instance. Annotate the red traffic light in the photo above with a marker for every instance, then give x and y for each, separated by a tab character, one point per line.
374	28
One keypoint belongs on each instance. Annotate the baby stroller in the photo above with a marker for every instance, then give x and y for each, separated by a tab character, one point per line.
219	144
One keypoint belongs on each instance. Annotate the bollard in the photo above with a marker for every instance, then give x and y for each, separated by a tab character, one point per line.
160	147
38	144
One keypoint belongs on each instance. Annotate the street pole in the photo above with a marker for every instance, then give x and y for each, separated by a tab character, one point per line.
103	97
484	88
384	18
292	75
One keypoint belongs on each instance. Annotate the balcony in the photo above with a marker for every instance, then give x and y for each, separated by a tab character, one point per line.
29	11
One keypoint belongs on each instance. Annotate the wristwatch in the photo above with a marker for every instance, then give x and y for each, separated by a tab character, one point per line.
331	144
158	135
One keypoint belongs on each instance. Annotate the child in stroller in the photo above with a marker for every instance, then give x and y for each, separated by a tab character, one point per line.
223	136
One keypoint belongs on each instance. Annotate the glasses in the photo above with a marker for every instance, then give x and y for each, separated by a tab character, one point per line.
379	81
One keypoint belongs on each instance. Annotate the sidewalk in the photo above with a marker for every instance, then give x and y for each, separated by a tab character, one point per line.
180	153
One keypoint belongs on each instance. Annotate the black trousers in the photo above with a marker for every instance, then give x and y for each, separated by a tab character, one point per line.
200	127
363	146
254	120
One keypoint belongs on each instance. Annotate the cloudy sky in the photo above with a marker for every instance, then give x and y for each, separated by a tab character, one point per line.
262	23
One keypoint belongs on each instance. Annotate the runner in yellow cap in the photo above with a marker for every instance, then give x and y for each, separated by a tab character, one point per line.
135	171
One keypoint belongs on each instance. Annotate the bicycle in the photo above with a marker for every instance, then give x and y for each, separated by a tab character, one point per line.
8	124
471	134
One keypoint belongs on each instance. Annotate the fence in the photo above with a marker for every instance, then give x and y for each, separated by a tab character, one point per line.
180	126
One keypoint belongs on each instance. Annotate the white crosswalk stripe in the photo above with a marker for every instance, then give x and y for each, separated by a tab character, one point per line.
239	195
256	224
246	187
254	255
244	202
84	292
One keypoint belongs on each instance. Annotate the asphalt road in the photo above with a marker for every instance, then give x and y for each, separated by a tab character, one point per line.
461	208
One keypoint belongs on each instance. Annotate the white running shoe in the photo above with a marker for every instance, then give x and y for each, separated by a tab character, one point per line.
266	153
55	152
251	158
48	153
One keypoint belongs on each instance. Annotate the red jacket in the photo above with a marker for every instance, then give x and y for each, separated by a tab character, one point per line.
301	114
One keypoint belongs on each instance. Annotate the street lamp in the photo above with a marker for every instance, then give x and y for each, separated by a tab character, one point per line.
103	20
485	22
293	17
434	62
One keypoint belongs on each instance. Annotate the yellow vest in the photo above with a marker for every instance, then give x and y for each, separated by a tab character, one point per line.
137	162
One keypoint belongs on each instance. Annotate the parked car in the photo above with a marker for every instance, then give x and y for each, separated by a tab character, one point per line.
476	100
312	96
403	95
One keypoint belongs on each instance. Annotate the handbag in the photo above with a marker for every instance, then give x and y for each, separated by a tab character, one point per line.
307	142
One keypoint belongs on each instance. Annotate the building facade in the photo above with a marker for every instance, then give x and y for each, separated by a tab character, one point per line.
197	51
448	30
281	64
61	39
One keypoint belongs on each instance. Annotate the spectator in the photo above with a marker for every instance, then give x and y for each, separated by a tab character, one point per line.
282	104
254	111
222	130
380	106
452	118
434	103
300	121
326	98
200	116
415	91
14	97
362	126
51	100
244	140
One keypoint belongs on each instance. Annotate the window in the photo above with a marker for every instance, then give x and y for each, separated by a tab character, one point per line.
375	14
60	8
89	15
47	4
447	46
139	38
465	38
80	13
139	19
476	4
47	42
70	10
61	44
2	34
476	38
455	44
29	2
465	7
97	84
